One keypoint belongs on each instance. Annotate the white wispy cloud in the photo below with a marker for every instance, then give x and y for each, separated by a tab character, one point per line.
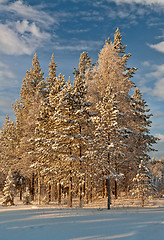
159	88
158	71
13	44
159	46
26	27
156	76
146	2
27	31
31	13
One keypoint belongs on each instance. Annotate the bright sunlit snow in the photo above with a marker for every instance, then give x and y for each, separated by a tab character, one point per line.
33	222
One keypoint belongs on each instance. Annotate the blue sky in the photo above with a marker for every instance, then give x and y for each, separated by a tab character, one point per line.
69	27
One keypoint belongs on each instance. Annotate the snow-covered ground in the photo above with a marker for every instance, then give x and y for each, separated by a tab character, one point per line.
52	223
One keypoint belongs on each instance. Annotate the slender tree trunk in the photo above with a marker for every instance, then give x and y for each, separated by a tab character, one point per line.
90	190
109	193
103	189
39	190
59	192
108	180
80	181
49	193
106	188
56	190
70	192
83	189
142	200
53	191
115	189
86	190
32	188
80	194
21	193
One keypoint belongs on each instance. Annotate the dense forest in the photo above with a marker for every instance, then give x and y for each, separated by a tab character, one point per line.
84	139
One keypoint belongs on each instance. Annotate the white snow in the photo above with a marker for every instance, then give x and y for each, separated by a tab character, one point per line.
50	223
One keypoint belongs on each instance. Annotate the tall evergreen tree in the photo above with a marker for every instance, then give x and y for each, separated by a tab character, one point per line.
26	112
141	117
9	146
112	71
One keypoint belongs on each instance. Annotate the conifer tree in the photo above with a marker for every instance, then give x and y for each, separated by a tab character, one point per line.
33	84
82	115
143	184
9	146
112	71
46	158
50	81
9	190
157	168
141	117
109	138
27	112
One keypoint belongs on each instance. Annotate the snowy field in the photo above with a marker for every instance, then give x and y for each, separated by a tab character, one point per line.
49	223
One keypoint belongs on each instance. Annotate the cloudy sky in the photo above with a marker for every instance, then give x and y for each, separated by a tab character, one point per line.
69	27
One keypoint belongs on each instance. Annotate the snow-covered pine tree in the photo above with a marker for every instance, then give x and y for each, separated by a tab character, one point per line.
82	119
142	139
9	145
46	160
112	70
8	190
142	125
62	132
69	121
27	112
109	138
50	81
143	183
157	168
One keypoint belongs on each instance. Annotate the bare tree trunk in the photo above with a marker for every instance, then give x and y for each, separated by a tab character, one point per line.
32	188
103	189
53	191
90	190
109	193
106	188
86	190
83	189
49	192
59	192
39	190
115	189
70	192
80	194
108	180
21	193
